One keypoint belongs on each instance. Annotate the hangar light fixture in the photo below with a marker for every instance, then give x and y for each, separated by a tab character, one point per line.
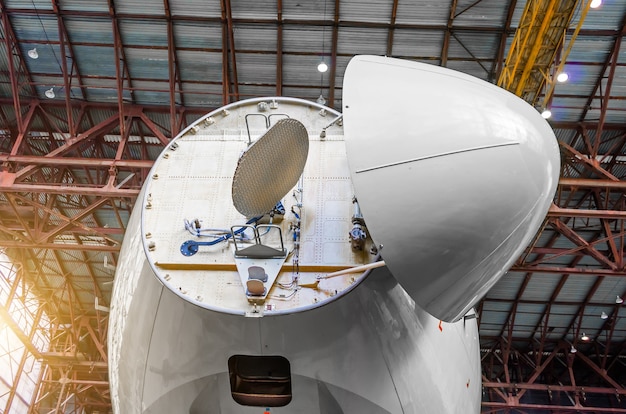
584	337
572	350
595	4
562	77
546	113
604	315
50	93
322	67
32	53
619	300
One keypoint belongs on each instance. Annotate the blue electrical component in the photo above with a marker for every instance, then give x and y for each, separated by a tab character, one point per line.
190	247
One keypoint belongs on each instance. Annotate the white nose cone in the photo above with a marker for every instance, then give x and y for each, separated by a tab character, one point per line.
453	175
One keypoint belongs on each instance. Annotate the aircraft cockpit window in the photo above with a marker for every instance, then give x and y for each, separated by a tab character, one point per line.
260	381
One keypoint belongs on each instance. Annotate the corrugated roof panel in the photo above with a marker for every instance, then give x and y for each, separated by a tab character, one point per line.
86	298
307	39
83	286
82	5
564	109
470	13
619	170
560	316
152	92
97	116
541	287
41	90
103	95
494	317
159	118
589	49
564	243
95	61
582	80
191	118
309	10
49	61
201	35
497	306
255	91
148	63
254	9
413	43
200	66
302	70
338	100
253	68
202	89
310	94
55	281
474	45
196	8
254	37
507	287
89	30
51	264
28	4
365	11
142	32
517	15
430	12
609	289
42	28
340	64
4	57
576	288
350	41
142	7
212	100
527	317
608	15
481	70
487	332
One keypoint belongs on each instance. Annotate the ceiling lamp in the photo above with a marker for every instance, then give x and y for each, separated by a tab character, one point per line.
321	100
50	93
595	4
604	316
584	337
322	67
546	114
32	53
619	300
572	350
562	77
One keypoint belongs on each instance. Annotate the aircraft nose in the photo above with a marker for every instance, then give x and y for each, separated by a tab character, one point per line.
453	175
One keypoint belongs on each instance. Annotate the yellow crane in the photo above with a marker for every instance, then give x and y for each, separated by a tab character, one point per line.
540	48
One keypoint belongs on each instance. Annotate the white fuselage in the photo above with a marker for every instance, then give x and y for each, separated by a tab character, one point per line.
196	328
371	351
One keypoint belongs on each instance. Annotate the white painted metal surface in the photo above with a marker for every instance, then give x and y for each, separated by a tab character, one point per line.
357	342
191	183
453	181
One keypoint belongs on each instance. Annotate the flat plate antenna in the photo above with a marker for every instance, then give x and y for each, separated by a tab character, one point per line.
270	167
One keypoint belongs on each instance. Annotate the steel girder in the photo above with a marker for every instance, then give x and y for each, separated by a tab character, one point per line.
64	203
560	381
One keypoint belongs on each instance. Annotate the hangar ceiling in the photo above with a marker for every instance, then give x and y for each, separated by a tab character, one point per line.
90	92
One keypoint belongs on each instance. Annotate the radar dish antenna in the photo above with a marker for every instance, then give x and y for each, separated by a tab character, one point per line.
270	167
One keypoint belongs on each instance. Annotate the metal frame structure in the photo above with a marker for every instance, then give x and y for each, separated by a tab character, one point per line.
126	78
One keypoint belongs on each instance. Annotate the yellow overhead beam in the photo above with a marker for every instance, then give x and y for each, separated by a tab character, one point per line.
538	47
